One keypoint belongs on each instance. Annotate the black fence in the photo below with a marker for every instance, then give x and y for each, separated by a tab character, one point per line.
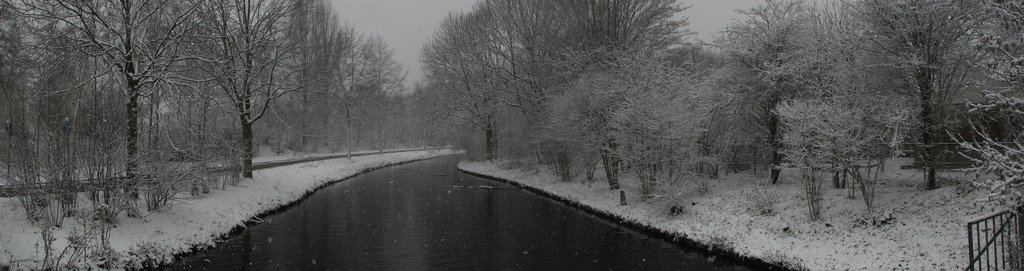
993	241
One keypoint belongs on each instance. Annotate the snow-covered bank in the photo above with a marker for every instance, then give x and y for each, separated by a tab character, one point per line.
917	230
194	222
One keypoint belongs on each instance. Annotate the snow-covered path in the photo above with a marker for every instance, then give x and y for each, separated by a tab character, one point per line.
194	222
7	190
294	156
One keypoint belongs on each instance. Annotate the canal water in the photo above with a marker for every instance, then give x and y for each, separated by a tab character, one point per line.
428	216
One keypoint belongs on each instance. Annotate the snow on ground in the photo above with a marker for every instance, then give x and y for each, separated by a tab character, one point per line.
927	230
194	222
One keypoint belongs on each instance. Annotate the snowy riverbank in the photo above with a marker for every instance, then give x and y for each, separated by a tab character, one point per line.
918	230
190	222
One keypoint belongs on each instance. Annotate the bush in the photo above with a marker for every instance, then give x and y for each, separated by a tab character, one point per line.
823	135
763	202
148	255
671	204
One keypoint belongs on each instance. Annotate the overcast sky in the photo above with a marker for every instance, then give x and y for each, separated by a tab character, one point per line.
408	24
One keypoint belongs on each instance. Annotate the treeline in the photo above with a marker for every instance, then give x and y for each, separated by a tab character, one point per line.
154	97
827	88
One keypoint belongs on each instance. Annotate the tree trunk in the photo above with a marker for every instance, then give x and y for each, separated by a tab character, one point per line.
132	140
246	147
773	137
867	189
247	138
842	183
348	131
611	164
132	110
302	118
928	120
132	134
812	189
835	179
491	142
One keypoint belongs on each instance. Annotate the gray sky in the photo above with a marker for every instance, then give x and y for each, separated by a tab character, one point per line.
408	24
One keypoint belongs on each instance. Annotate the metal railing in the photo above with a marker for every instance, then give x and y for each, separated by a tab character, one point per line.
993	241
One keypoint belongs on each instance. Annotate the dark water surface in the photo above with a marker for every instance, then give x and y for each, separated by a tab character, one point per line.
410	217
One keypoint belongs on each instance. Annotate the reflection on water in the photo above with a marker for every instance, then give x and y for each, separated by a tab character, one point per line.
428	216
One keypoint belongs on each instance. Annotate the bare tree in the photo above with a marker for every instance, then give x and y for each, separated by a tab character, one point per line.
384	78
125	35
660	120
927	41
247	52
313	27
454	62
761	47
599	30
351	71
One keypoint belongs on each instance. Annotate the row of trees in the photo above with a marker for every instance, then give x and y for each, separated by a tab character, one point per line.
146	99
555	72
824	88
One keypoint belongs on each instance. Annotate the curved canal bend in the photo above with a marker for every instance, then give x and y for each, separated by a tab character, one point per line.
429	216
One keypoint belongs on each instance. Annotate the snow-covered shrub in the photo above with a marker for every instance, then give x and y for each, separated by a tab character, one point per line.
810	130
78	243
670	204
577	130
148	255
25	170
86	245
658	123
46	239
671	197
164	183
1002	158
762	202
838	133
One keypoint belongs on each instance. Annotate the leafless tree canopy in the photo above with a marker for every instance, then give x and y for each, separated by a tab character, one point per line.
136	104
618	86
